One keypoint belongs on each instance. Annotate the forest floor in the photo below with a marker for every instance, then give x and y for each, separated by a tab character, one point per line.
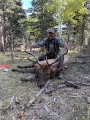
66	103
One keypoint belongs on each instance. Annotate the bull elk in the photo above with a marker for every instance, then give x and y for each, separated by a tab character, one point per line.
44	70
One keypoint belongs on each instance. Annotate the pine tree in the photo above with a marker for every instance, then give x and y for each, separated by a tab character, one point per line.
44	18
12	22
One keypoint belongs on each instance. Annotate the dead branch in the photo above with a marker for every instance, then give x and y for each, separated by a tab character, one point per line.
8	106
83	84
50	111
21	115
48	91
61	85
86	78
5	108
72	84
39	93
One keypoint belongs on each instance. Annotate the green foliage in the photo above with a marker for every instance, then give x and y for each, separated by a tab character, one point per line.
41	19
74	9
13	15
66	10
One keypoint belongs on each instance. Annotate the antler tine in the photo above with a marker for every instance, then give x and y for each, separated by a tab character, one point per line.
31	60
47	61
59	56
34	57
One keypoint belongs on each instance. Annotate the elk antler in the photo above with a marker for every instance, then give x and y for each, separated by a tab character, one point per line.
47	61
31	53
59	56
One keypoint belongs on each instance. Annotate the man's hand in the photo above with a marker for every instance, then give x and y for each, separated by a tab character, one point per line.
66	45
30	46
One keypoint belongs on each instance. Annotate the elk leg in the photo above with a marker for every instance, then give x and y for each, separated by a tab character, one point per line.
29	78
18	70
24	70
28	66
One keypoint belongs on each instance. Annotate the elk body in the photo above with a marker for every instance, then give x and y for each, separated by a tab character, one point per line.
46	69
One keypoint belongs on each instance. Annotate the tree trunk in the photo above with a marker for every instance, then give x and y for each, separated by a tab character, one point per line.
2	48
12	47
83	36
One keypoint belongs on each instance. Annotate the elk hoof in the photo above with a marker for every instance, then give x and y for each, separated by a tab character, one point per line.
13	69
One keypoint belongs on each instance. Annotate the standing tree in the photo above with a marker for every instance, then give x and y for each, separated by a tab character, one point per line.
43	18
13	17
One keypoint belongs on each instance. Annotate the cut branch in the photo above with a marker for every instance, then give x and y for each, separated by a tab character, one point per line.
39	93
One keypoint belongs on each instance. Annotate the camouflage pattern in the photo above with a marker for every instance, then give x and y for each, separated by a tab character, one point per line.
52	30
58	42
52	49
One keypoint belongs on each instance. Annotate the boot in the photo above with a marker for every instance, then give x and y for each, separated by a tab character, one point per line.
60	75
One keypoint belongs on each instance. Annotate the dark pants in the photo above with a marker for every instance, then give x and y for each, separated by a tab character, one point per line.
52	56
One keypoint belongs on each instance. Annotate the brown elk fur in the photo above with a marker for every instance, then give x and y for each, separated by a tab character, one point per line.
48	71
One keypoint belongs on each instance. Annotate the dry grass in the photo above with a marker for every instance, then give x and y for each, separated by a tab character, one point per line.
68	103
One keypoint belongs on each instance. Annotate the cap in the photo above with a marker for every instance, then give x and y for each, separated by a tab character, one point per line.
51	30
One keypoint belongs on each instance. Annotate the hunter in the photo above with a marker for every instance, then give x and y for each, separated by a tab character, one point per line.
52	44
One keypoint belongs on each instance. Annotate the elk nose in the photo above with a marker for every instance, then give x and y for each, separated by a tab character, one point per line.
41	85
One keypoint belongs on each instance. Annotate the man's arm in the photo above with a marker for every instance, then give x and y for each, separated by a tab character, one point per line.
61	43
39	44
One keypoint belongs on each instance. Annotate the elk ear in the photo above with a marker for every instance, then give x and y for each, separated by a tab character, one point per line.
54	69
37	66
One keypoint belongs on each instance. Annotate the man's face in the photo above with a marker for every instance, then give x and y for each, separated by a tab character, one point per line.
51	35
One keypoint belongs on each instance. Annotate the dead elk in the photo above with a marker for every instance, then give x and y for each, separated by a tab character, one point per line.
44	70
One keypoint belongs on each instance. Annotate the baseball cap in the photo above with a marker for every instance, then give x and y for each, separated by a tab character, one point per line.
51	30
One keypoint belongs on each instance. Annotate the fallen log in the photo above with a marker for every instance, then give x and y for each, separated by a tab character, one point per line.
39	93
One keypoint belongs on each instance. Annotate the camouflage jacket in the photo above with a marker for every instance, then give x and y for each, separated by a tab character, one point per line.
52	46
